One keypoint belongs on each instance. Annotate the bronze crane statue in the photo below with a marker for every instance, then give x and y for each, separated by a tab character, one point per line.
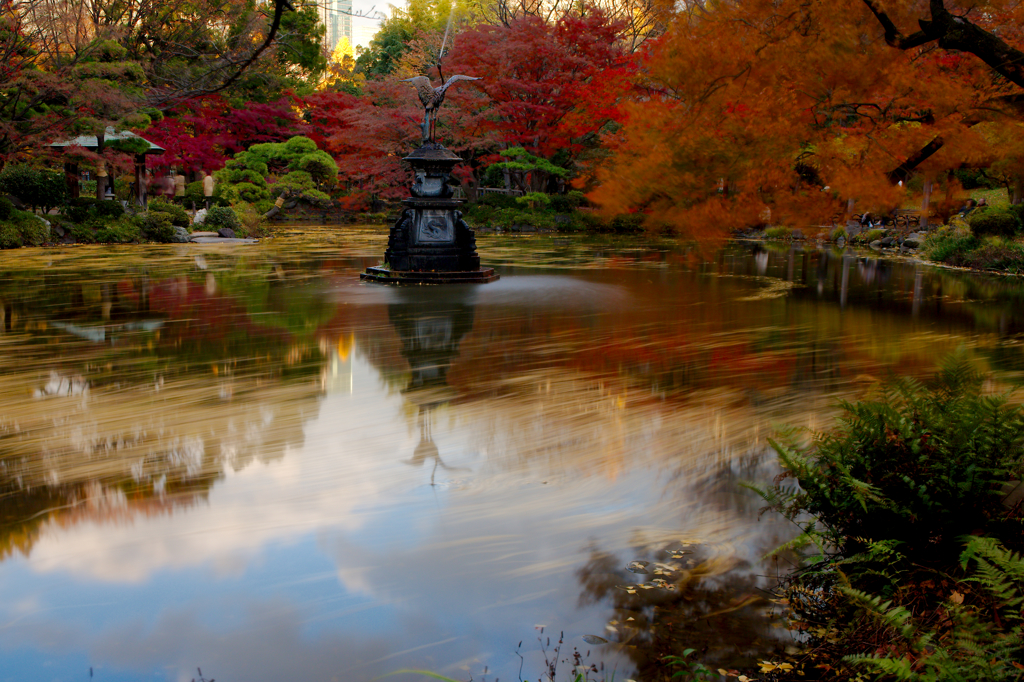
432	98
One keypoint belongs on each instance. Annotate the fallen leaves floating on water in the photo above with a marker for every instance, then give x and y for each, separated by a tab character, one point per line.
594	639
769	666
775	288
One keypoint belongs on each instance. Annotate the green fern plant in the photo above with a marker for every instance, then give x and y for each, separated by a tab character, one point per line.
916	468
975	647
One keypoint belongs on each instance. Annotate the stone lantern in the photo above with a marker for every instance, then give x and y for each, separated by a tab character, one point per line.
430	243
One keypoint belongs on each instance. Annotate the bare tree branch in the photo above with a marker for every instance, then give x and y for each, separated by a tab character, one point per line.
953	32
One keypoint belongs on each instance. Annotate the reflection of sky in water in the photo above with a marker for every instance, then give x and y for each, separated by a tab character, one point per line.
612	409
337	560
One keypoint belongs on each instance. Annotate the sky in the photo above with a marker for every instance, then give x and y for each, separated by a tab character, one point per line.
363	29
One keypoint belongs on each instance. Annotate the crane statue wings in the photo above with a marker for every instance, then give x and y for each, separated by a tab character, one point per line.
432	98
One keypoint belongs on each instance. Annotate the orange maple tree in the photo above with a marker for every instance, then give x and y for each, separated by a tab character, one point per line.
784	110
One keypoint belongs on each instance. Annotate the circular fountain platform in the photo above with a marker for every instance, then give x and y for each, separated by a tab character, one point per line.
386	276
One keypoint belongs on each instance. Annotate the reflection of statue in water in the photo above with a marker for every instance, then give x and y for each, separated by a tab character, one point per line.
426	450
431	329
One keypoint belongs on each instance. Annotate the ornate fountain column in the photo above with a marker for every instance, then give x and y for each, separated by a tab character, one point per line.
430	243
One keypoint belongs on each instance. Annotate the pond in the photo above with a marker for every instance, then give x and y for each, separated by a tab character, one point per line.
245	461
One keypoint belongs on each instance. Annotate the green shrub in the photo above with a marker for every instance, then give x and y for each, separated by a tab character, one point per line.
263	206
566	203
950	246
10	235
534	200
126	230
194	196
109	209
632	222
869	236
44	189
6	208
157	227
918	468
887	499
34	232
84	209
23	229
997	256
779	232
221	216
81	209
1017	211
499	201
178	215
970	645
994	222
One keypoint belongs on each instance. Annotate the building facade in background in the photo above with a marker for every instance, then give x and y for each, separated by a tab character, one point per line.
337	17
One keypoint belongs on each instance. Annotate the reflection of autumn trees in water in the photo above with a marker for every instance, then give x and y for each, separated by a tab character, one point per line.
715	606
215	364
156	387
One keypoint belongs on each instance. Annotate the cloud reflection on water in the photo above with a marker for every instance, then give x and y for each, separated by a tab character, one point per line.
582	422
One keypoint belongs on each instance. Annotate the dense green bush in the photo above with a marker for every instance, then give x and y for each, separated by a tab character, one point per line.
778	232
950	246
6	208
44	188
918	468
81	209
1017	211
968	644
125	230
178	215
109	209
975	178
301	169
157	226
631	222
263	206
868	236
994	222
23	229
10	235
194	196
221	216
889	499
499	201
566	203
84	209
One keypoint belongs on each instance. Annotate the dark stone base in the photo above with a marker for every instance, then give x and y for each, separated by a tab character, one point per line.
386	276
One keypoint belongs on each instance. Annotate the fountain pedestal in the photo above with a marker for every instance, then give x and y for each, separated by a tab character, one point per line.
430	243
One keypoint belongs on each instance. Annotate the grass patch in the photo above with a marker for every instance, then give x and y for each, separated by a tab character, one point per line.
996	198
778	232
868	236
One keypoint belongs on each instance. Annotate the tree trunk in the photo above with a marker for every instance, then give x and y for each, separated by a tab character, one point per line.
140	179
903	171
101	170
926	201
71	176
1018	190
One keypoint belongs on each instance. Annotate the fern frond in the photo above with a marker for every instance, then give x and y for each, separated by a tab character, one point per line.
896	617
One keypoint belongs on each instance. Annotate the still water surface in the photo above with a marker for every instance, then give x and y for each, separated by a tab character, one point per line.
244	460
